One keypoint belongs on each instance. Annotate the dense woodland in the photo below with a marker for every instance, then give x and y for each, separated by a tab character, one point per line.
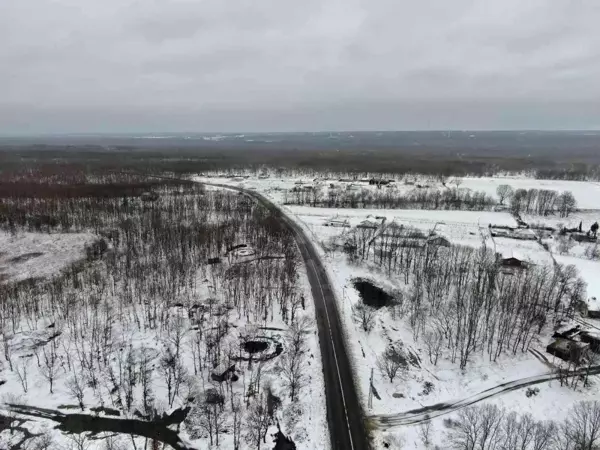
558	157
143	323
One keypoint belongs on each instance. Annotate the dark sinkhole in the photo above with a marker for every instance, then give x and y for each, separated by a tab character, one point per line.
372	295
255	346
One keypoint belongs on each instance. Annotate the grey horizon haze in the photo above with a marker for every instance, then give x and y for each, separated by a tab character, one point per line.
77	66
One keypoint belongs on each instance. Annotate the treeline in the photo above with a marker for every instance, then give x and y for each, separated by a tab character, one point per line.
577	173
441	158
27	189
542	202
95	206
460	302
492	427
446	199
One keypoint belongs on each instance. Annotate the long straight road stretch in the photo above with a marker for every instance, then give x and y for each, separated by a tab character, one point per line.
344	413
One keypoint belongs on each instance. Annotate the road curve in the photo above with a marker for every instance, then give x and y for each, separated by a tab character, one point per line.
344	412
427	413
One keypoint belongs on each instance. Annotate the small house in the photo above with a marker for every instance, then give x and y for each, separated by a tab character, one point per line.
593	308
591	338
582	237
512	262
512	259
439	241
339	223
368	224
568	350
376	182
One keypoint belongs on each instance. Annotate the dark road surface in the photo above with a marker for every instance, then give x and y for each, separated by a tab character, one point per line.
344	413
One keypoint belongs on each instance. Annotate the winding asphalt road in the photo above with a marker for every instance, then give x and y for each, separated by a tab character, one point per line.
344	413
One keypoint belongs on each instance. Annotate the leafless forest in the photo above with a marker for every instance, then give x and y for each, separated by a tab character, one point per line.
165	311
458	301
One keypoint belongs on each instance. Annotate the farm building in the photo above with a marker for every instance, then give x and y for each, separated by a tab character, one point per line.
368	224
439	240
512	259
376	182
593	307
567	350
582	237
593	339
339	223
512	262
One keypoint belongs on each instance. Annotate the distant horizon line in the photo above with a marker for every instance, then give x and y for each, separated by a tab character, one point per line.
159	134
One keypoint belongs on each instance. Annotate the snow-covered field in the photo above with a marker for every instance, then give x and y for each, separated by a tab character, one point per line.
424	383
36	255
586	193
586	218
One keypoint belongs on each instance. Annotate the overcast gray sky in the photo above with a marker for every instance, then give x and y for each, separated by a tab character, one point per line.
277	65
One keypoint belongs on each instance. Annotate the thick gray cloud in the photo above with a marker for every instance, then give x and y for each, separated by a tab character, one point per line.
228	65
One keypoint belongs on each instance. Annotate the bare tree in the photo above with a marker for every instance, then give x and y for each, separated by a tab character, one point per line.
566	203
257	422
425	430
504	191
565	244
7	348
50	367
582	426
75	387
292	364
433	340
237	423
364	315
22	368
390	362
42	442
79	442
113	442
478	428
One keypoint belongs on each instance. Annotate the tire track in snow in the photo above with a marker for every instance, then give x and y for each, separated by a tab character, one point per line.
427	413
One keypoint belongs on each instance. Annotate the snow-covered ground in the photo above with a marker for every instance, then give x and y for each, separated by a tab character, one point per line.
448	382
302	420
67	332
36	255
586	218
586	193
589	271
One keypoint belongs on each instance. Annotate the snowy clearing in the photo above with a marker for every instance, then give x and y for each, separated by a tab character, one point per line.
36	255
